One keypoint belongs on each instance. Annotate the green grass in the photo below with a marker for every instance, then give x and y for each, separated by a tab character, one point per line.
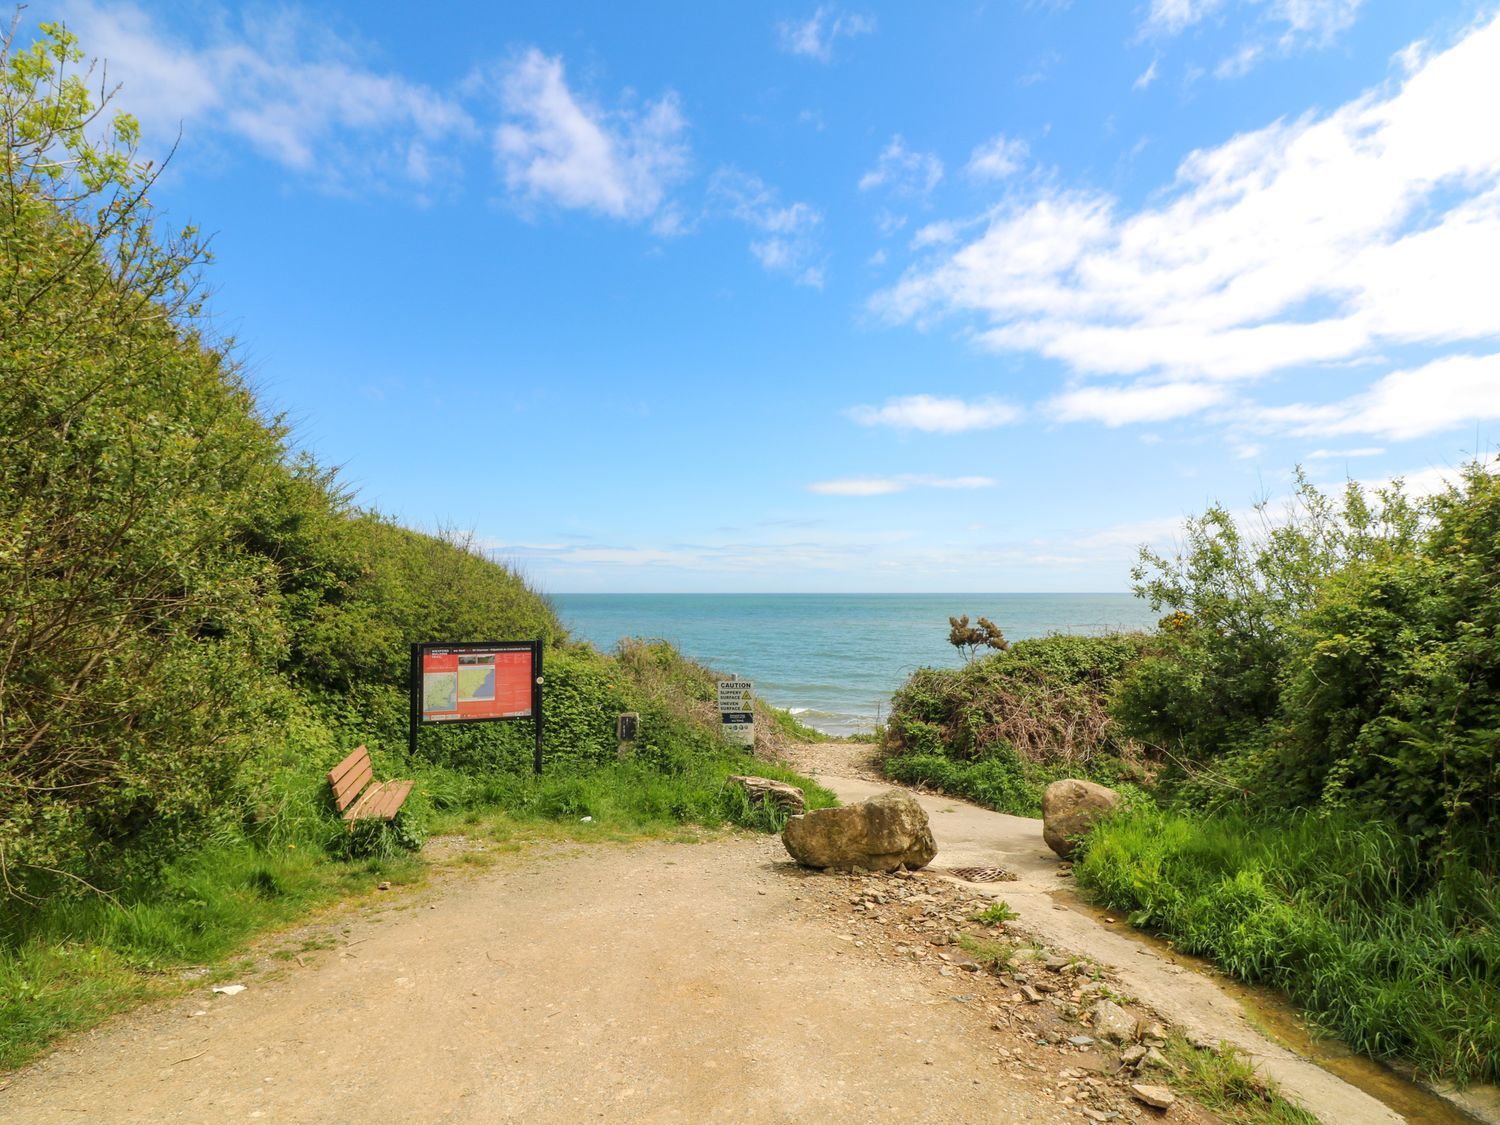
1338	913
1227	1083
70	963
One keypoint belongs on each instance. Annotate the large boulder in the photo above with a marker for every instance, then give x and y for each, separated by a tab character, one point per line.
1070	808
885	833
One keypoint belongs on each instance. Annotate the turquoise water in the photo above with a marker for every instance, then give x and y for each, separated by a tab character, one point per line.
833	659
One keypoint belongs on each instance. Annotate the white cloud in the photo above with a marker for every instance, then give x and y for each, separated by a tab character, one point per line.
1296	20
1148	76
1173	16
903	173
285	84
557	148
884	486
1282	26
997	158
1121	406
787	232
934	234
813	37
1456	391
937	415
1329	239
1332	454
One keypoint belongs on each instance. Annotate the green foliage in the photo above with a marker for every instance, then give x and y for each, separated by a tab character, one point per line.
1346	657
999	729
969	639
139	639
1234	594
1335	910
995	914
1227	1082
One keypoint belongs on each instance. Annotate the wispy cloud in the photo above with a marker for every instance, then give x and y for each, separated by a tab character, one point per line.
1332	454
903	173
997	158
786	239
937	415
1454	391
884	486
1328	239
814	36
1122	406
1276	26
284	84
555	147
1147	76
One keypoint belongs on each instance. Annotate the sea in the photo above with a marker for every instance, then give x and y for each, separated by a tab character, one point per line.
834	660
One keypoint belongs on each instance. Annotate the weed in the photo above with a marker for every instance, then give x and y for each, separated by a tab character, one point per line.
1228	1083
996	956
995	914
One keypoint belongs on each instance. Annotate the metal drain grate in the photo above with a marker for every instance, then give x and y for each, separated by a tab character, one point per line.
982	874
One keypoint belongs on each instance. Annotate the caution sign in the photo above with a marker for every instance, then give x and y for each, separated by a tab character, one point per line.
737	711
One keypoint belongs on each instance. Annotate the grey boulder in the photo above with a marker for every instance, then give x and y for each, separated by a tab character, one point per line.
885	833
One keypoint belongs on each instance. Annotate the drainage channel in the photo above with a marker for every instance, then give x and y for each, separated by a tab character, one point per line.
1270	1011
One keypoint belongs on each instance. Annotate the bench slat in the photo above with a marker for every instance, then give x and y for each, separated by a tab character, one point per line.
395	796
359	809
360	757
347	788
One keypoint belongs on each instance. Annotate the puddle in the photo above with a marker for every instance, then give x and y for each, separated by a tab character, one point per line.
1270	1012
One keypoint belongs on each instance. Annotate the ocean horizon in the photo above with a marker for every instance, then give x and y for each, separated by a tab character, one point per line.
834	660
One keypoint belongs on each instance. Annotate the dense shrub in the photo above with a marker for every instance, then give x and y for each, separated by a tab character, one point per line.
1001	727
1345	657
178	592
138	637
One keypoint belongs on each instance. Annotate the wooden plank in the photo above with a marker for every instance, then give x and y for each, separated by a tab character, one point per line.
356	811
382	801
345	790
399	792
360	757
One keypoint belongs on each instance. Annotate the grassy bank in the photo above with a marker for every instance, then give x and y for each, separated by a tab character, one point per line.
1329	910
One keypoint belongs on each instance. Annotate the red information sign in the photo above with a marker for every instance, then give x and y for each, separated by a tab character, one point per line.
466	682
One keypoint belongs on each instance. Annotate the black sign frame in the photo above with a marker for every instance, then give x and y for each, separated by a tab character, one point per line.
420	651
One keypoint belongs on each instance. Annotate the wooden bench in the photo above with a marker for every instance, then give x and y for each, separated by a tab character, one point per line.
359	796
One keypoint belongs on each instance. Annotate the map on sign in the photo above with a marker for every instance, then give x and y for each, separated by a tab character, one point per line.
476	682
440	691
476	678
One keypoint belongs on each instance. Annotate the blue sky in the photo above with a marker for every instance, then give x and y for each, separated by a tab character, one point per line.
840	297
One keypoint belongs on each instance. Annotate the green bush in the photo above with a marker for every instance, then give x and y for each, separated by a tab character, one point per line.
1002	727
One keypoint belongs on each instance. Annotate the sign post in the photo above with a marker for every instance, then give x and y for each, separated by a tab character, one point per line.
737	712
476	682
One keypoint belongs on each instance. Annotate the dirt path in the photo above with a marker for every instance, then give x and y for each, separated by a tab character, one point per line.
652	983
664	982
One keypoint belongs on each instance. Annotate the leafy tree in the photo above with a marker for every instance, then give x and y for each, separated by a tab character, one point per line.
1234	593
969	639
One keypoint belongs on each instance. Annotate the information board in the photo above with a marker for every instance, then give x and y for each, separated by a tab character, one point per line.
476	682
737	711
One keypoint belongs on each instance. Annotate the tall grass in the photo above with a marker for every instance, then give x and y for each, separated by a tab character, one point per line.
1340	914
